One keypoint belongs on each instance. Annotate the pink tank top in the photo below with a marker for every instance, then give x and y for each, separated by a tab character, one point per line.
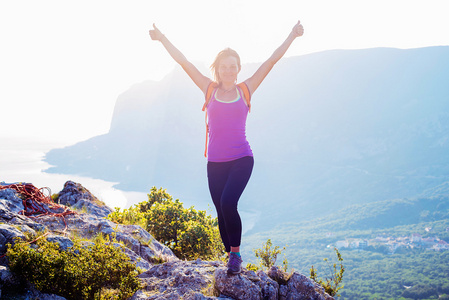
227	129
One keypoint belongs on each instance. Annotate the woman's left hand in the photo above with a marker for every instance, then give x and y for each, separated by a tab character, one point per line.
156	34
298	29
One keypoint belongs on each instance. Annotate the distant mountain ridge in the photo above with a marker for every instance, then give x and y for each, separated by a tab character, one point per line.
327	129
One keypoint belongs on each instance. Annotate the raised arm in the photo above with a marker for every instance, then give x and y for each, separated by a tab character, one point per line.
254	81
199	79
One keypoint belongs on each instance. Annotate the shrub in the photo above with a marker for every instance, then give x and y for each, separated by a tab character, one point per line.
331	284
131	216
267	257
189	233
80	272
155	196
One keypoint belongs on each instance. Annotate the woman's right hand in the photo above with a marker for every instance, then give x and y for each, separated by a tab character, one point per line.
298	29
156	34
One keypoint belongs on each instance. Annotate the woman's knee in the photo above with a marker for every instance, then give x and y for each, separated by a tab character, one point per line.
228	207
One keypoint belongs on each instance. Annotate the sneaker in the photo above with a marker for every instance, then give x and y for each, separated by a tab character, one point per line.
234	264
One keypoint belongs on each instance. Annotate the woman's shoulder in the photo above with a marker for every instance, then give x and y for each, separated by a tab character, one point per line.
213	84
210	88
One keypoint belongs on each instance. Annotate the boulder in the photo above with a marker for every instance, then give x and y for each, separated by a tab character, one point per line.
238	287
301	287
75	195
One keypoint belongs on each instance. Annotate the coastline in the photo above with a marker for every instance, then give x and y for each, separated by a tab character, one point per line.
21	160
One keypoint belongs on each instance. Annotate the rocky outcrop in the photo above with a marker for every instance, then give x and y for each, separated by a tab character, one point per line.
209	280
251	286
76	196
174	279
141	246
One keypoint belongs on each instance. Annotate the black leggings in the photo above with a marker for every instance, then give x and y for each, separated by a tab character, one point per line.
227	180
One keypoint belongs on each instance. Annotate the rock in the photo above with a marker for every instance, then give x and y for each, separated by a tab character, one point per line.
35	294
249	285
133	236
21	220
278	275
64	242
198	296
283	290
7	279
129	241
5	213
301	287
238	287
11	284
27	230
77	196
268	287
92	208
9	200
8	234
141	263
139	295
177	279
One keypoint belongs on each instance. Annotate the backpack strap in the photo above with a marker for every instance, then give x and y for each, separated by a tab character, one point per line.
246	93
208	95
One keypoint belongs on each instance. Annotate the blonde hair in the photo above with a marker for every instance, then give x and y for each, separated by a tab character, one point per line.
222	54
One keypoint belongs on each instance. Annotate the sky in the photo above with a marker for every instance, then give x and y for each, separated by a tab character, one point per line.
64	63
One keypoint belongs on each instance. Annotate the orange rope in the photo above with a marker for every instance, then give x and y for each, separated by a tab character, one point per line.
33	200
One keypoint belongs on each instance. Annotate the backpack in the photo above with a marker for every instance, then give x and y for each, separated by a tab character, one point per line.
210	89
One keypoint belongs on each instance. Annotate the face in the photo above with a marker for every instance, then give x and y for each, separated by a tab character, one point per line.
228	69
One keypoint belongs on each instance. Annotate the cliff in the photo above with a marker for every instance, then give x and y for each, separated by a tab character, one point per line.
80	214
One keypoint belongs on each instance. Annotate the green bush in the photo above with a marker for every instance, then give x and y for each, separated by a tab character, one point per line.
189	233
331	284
131	216
267	256
81	272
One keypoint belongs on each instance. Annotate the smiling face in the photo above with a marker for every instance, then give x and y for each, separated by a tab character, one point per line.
226	66
228	69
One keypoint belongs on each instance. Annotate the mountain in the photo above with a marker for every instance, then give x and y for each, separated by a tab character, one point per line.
328	130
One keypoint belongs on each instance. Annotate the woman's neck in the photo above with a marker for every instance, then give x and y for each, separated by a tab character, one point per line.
227	92
226	87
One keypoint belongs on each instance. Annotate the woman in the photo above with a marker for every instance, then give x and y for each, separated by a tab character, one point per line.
230	159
